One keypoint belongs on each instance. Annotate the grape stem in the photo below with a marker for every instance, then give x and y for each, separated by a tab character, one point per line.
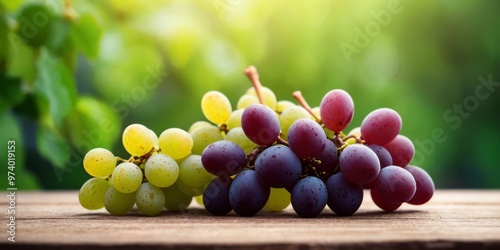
282	141
253	75
302	101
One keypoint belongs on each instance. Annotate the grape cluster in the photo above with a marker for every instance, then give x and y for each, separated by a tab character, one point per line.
266	154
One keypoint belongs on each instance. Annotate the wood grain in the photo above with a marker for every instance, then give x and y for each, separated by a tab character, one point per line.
453	219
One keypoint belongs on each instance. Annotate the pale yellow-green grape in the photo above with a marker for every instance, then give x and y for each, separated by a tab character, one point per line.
99	162
329	133
127	177
216	107
188	190
279	199
117	203
234	120
192	172
289	115
356	132
246	100
137	140
316	111
149	199
198	124
176	143
161	170
155	139
92	192
283	104
268	96
199	200
203	136
237	136
175	200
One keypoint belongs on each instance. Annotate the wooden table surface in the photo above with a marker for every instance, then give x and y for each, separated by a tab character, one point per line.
453	219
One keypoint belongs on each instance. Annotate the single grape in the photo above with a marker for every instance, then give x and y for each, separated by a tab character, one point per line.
149	199
279	199
176	143
199	200
268	96
117	203
198	124
290	115
344	197
337	110
127	177
382	203
383	155
175	200
260	123
92	192
282	105
161	170
401	150
203	136
425	185
381	126
216	196
359	164
309	197
155	139
192	172
137	140
216	107
237	135
247	194
234	120
306	138
395	184
99	162
329	159
223	158
247	100
278	167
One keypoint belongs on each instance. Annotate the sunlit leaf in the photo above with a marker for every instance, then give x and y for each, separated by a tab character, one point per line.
86	34
52	146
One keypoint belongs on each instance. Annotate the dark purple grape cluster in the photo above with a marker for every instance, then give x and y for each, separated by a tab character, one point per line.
313	160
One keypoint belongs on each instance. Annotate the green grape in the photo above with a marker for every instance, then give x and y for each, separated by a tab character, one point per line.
329	133
137	140
127	177
149	199
289	115
203	136
237	136
282	105
268	96
216	107
91	193
99	162
198	124
246	100
175	200
117	203
176	143
316	111
356	132
279	199
188	190
155	139
192	173
199	200
234	120
161	170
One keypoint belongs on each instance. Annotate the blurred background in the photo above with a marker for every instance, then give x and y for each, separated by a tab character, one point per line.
75	73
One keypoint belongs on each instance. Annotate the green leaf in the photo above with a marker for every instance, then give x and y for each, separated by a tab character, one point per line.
20	58
59	41
86	34
10	92
52	146
4	41
55	84
35	20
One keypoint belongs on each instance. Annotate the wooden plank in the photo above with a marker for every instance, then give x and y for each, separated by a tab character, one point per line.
461	219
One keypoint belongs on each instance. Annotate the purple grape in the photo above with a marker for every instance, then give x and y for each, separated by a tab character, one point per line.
359	164
260	124
381	126
247	194
306	138
395	184
382	203
329	159
336	110
278	167
344	197
216	196
224	158
401	150
425	185
383	155
309	197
